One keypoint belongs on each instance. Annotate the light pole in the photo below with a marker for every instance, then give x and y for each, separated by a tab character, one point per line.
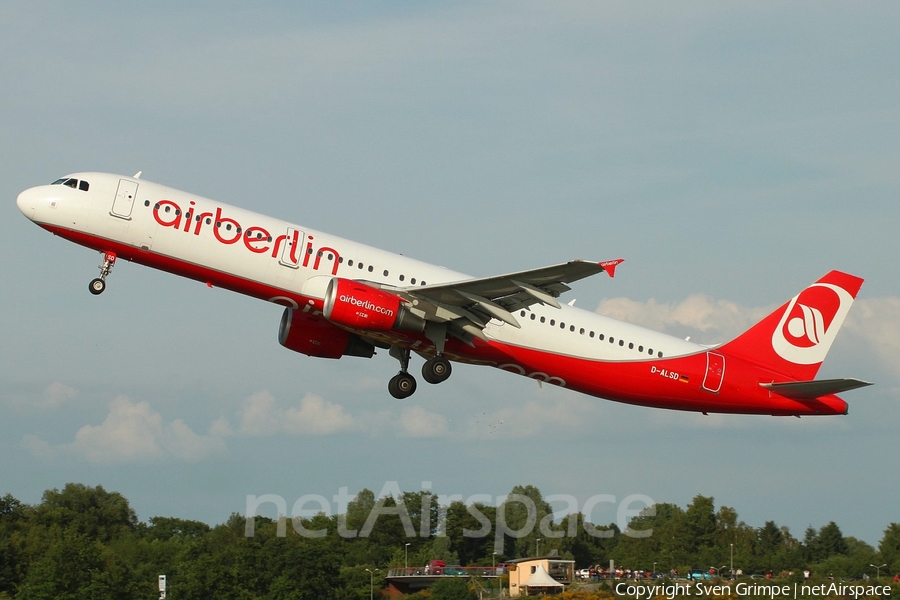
406	558
732	560
654	568
878	570
371	583
537	547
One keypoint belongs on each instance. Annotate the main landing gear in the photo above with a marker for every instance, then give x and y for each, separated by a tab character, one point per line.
96	286
402	385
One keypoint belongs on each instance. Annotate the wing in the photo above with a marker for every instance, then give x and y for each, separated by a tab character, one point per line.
465	307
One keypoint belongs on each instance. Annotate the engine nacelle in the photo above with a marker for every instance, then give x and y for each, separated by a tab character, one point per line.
360	306
314	336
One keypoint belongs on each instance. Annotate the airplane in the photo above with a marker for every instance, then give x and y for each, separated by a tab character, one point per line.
344	298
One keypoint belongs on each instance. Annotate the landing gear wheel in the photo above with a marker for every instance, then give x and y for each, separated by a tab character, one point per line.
436	369
402	385
97	286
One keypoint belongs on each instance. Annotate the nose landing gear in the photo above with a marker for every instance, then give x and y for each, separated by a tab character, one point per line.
96	286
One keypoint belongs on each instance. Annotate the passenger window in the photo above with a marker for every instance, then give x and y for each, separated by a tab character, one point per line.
659	354
621	342
592	334
350	263
543	320
552	322
385	272
572	329
402	278
146	203
359	265
601	337
413	281
562	325
522	314
371	268
640	348
612	340
532	316
630	346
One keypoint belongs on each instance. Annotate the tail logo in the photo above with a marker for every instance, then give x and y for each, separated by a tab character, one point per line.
810	323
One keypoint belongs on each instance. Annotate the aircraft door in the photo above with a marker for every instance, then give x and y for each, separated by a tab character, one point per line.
292	248
124	200
715	372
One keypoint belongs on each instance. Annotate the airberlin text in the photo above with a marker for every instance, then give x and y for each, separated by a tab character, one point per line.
228	231
354	301
748	589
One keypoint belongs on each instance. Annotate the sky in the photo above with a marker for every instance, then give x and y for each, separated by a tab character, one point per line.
731	153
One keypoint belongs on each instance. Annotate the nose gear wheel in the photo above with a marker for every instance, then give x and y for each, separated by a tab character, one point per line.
98	285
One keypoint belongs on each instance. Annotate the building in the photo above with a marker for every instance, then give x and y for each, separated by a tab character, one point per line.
539	575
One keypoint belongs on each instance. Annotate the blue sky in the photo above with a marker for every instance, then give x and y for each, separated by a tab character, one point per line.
731	153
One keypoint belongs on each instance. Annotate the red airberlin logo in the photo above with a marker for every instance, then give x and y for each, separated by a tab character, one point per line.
811	316
810	323
256	239
354	301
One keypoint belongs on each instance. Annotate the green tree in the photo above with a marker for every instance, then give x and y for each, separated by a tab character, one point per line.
455	588
13	522
66	571
889	548
92	511
831	540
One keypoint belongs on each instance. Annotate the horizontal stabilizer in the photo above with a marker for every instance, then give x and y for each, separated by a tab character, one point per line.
808	390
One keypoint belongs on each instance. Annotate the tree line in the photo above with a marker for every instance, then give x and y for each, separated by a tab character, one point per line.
86	542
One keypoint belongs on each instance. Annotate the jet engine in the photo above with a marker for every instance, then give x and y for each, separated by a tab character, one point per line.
360	306
314	336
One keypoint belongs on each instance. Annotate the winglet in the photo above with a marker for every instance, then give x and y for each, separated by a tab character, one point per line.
610	266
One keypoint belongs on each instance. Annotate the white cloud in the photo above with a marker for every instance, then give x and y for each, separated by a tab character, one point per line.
415	421
131	432
261	416
877	322
565	412
38	447
221	427
699	312
57	394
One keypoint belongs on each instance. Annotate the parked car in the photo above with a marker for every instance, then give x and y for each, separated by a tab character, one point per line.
698	574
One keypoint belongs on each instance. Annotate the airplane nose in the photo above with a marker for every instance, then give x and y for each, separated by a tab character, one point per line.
26	202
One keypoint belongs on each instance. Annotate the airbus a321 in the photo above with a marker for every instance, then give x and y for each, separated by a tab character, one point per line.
343	298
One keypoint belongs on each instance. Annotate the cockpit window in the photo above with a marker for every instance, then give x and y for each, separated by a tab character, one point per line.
72	183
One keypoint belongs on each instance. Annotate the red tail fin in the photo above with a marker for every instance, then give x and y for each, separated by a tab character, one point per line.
795	338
